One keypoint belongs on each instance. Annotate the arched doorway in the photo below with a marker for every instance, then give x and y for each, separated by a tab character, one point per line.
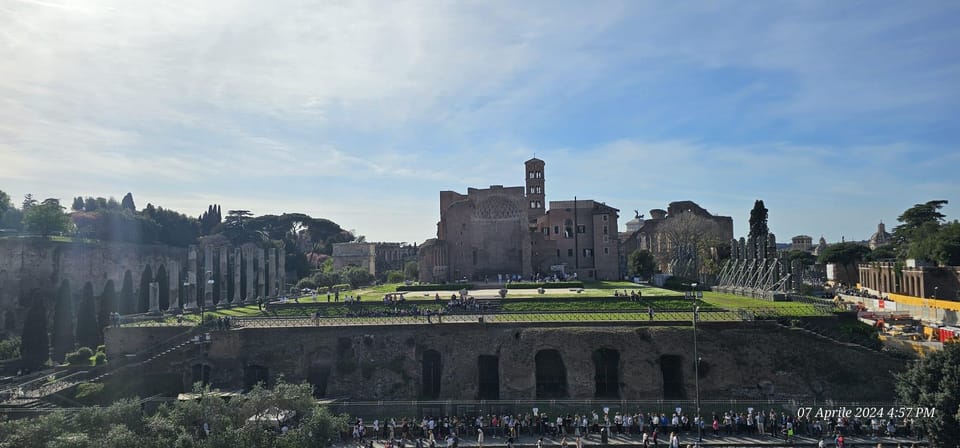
551	374
430	375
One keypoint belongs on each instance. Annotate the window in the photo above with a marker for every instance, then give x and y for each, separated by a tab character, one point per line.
605	230
546	231
569	252
606	238
556	230
568	232
532	174
605	218
558	253
581	228
606	251
533	204
588	252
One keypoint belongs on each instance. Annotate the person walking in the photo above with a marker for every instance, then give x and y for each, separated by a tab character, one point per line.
674	440
479	437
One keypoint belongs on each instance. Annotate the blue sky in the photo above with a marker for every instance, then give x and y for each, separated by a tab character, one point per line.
836	114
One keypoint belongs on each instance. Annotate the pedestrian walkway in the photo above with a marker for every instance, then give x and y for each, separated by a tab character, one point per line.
686	439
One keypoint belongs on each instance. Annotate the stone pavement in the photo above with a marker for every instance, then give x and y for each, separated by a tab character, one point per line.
686	439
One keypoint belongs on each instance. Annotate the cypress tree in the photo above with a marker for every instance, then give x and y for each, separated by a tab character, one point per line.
35	343
126	294
758	220
63	336
108	304
88	335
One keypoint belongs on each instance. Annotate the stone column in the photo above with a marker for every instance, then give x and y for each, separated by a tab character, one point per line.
282	269
191	289
222	279
272	288
154	299
251	293
261	288
236	300
174	274
207	275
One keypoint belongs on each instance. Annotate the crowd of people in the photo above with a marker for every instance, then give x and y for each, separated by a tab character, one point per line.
651	428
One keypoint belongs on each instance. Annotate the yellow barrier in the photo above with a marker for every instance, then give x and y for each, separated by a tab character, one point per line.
918	301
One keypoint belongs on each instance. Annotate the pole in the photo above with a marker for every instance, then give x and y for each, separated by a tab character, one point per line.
696	365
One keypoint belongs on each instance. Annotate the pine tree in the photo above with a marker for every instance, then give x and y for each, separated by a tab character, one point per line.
63	335
88	335
35	345
77	204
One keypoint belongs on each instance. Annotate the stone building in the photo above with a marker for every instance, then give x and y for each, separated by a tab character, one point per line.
508	231
916	279
376	258
802	243
652	233
880	238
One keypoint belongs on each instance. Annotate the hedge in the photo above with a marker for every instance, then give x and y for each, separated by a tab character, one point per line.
548	285
437	287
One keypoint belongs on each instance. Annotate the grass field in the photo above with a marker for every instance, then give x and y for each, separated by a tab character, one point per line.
597	296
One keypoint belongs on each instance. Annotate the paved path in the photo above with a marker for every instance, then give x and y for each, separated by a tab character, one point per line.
685	440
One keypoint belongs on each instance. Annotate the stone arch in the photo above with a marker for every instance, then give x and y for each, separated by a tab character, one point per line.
163	278
551	374
488	384
255	374
318	373
671	368
432	369
200	373
143	292
606	363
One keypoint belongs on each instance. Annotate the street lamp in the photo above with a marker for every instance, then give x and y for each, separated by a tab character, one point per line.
696	293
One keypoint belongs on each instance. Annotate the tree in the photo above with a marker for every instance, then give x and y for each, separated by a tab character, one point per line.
77	204
394	277
934	381
63	331
881	253
845	256
806	258
28	201
127	300
12	219
356	276
35	345
46	218
690	238
108	304
411	270
758	221
4	202
641	263
127	203
88	333
90	204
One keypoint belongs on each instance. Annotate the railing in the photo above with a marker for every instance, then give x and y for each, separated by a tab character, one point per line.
747	314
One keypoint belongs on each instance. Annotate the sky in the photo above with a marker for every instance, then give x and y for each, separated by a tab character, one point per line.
838	115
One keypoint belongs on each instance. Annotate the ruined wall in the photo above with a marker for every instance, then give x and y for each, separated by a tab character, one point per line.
35	267
739	361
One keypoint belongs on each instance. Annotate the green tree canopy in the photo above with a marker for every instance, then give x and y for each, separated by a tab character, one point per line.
641	263
4	202
934	381
806	258
46	218
844	253
411	270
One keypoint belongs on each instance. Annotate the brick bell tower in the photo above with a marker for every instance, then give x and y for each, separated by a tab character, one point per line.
536	197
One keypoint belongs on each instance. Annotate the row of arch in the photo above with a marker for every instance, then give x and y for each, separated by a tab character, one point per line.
549	370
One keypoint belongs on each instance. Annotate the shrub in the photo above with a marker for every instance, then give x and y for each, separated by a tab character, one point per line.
80	357
10	348
394	277
88	390
100	358
306	283
101	348
548	285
